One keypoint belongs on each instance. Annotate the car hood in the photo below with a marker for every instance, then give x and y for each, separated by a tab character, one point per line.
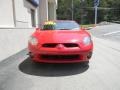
60	36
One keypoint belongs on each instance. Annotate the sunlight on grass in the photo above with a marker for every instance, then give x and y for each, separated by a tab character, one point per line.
87	26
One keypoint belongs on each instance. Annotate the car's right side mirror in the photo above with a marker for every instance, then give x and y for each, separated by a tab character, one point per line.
82	28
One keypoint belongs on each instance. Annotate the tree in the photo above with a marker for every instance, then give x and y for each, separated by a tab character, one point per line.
84	10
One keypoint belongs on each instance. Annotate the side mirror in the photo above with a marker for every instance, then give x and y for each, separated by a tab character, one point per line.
89	28
82	28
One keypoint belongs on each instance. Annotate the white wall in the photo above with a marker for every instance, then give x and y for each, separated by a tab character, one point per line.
14	13
6	13
23	15
13	41
47	11
43	11
52	11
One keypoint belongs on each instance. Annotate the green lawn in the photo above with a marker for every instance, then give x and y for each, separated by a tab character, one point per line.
87	26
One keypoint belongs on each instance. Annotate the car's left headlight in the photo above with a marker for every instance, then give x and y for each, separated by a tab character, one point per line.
33	40
87	40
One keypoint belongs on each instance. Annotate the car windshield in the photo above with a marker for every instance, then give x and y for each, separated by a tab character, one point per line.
61	25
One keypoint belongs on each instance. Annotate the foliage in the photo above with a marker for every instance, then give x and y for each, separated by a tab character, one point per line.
109	10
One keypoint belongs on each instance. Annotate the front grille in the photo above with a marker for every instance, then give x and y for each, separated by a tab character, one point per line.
69	45
59	57
49	45
53	45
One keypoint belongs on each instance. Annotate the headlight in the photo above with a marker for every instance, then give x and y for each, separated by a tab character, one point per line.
87	40
33	40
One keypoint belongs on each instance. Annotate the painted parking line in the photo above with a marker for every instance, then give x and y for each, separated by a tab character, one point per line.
111	33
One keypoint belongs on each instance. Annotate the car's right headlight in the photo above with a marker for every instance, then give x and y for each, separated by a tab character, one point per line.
87	40
33	40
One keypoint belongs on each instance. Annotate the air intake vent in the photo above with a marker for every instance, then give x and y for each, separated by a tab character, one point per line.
60	57
49	45
53	45
69	45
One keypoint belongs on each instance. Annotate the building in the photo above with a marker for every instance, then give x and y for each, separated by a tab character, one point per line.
17	21
26	13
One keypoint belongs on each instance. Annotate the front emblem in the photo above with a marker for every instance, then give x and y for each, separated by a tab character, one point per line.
60	46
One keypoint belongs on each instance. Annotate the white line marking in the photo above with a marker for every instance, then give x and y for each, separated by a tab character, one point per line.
111	33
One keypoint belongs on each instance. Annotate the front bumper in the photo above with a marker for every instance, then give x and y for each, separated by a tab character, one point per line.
81	53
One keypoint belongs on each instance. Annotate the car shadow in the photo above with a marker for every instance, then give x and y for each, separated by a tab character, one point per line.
51	70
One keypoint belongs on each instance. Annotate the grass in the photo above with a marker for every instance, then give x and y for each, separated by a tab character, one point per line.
87	26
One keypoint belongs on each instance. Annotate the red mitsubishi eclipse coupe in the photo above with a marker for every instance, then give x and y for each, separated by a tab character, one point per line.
60	41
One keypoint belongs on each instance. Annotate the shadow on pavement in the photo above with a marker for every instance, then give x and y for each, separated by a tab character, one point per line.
51	70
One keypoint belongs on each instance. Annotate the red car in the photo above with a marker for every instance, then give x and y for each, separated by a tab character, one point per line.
60	41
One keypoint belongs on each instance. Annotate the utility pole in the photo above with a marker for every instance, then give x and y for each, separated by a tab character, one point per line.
96	4
81	4
72	4
96	10
82	10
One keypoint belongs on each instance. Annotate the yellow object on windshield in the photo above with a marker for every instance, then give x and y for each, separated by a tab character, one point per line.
49	23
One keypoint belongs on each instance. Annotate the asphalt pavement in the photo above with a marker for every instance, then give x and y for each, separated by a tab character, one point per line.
109	32
103	73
